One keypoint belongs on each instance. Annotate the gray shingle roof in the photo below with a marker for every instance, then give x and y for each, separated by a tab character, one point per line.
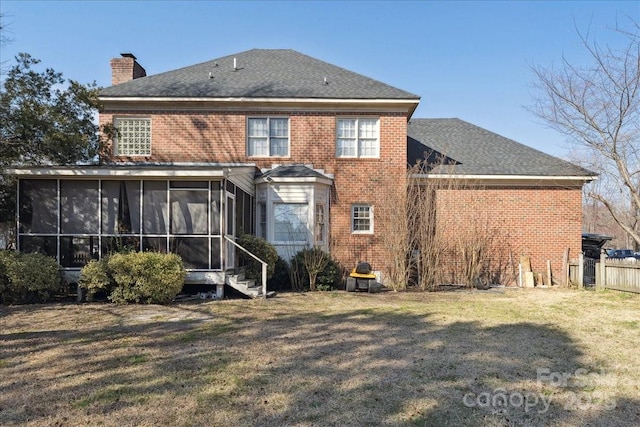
476	151
273	73
293	171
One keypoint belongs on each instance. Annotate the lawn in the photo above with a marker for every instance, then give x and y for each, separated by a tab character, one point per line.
478	358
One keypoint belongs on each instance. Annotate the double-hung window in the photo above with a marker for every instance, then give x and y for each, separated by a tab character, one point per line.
268	137
133	137
357	137
362	219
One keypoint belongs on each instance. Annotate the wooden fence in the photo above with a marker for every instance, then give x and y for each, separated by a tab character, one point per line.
605	273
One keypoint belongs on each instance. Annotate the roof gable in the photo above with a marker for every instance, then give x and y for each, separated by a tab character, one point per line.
260	73
472	150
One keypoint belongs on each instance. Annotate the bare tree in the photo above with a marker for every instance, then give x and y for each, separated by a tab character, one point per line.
394	211
598	107
5	38
426	241
466	248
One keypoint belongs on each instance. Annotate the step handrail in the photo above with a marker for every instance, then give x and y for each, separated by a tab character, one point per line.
264	264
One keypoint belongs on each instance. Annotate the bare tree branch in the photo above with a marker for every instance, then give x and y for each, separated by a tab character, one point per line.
597	106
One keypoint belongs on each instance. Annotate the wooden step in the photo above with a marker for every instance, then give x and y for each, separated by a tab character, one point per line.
246	287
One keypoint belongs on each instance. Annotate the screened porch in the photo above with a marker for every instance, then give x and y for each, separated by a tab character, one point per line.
87	216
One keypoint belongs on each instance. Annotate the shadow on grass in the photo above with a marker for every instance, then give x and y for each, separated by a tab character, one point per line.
272	364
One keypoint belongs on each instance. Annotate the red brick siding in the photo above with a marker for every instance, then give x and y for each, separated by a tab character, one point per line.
538	222
221	137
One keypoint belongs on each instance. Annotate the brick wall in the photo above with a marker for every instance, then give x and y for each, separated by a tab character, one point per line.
537	222
221	137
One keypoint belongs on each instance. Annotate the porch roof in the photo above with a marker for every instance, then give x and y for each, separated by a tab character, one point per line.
158	170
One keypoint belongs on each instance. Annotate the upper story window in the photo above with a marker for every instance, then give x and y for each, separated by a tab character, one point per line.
362	219
133	137
357	137
268	137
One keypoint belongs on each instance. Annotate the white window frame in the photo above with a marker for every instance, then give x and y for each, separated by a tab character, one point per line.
134	148
269	137
262	220
358	139
304	220
357	207
320	225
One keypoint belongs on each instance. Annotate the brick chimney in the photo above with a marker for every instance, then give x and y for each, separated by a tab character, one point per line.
125	68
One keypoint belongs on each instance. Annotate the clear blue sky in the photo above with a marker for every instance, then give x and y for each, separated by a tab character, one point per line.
465	59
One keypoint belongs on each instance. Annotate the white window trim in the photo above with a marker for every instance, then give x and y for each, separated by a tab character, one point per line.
290	242
288	119
116	137
322	240
261	229
357	138
371	218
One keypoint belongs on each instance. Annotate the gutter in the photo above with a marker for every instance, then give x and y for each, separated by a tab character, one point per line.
515	180
506	177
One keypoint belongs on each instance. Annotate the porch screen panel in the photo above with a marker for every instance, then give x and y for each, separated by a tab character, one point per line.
77	251
120	207
154	207
194	251
79	207
189	212
216	208
240	226
38	206
111	244
244	212
216	253
154	244
45	245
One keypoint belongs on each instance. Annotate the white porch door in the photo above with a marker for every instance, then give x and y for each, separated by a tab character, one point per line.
230	230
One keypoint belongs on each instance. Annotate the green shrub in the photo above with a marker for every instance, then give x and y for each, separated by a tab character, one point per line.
28	278
140	277
280	279
95	279
4	278
263	250
322	266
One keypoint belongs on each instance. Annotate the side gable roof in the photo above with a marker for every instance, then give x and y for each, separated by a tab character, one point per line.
473	151
260	73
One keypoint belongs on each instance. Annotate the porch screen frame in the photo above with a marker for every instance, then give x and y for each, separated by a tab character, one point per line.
138	237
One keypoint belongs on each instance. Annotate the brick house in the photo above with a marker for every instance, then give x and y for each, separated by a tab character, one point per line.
281	145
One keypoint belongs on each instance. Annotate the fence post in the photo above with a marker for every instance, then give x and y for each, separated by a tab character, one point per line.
581	270
565	268
601	279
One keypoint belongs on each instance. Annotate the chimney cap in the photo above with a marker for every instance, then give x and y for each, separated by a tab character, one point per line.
128	55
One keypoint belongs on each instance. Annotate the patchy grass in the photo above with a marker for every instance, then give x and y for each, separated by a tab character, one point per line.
468	358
